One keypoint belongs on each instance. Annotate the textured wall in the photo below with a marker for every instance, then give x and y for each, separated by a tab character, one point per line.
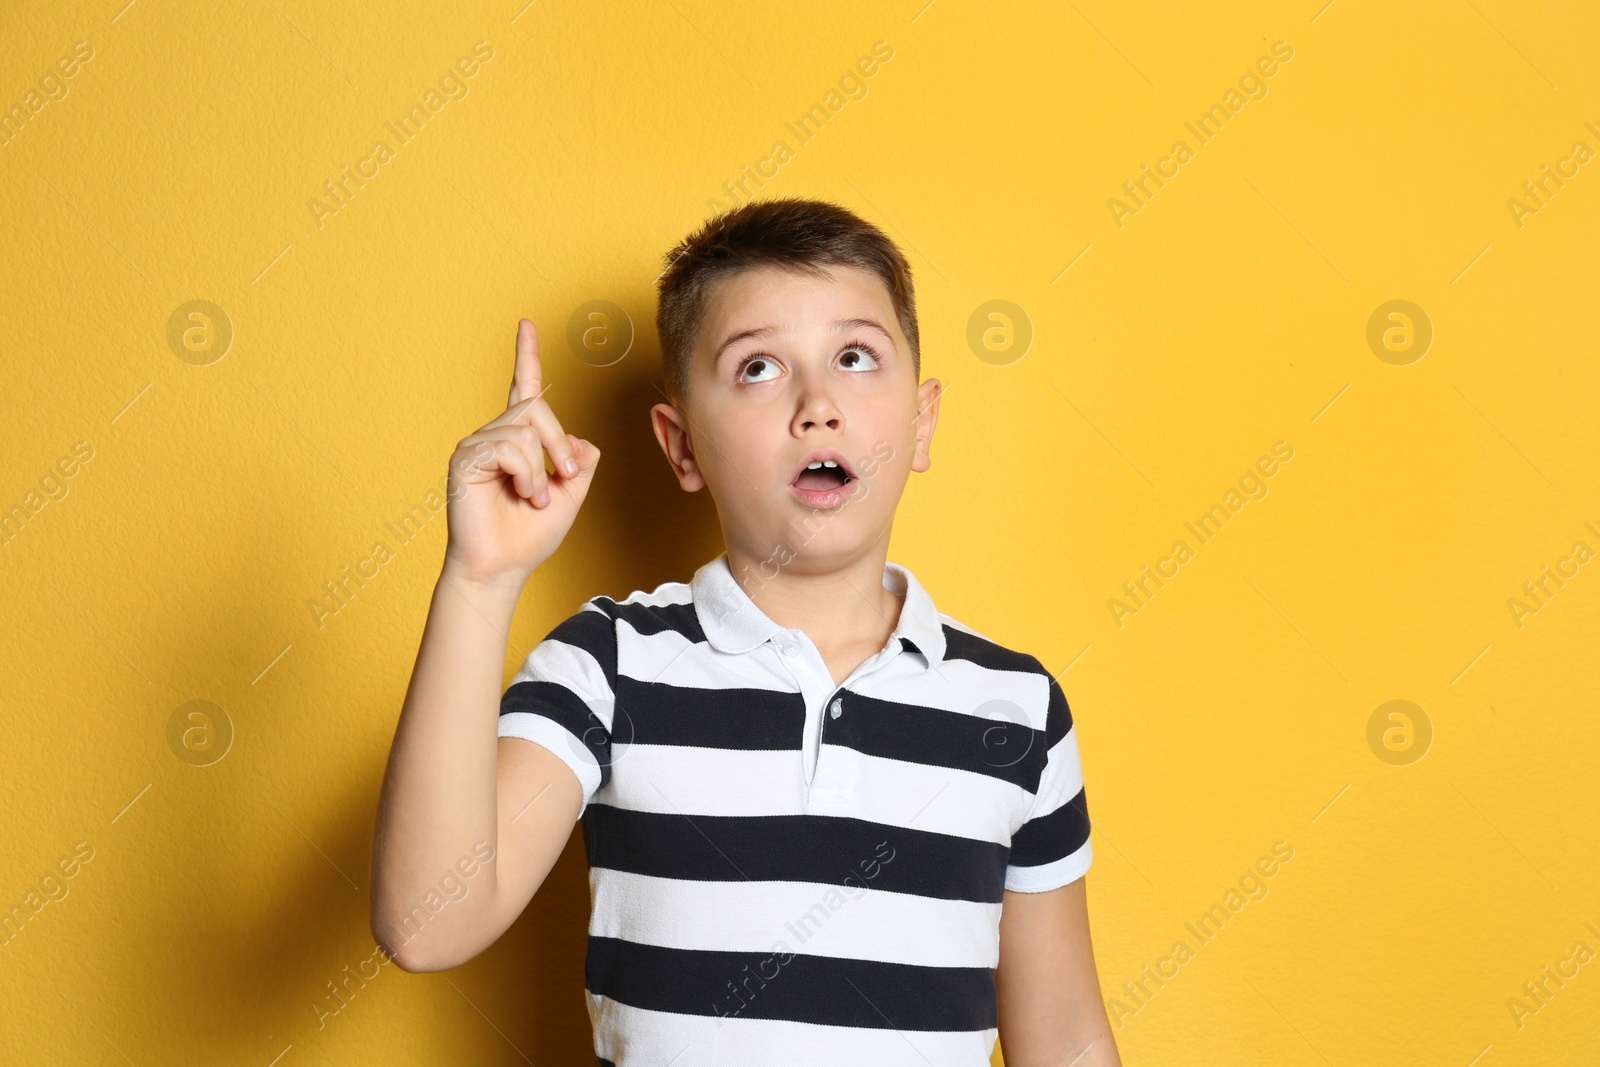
182	479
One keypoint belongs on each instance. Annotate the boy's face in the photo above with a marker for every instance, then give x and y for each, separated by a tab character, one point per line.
787	364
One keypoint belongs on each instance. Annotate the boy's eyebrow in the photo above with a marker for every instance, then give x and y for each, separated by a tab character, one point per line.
838	325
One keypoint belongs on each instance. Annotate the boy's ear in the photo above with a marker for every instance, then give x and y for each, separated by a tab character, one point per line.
672	434
927	418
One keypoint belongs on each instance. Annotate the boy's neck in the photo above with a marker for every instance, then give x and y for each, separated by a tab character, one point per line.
838	604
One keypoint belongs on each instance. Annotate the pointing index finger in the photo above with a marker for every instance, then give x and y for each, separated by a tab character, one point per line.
525	378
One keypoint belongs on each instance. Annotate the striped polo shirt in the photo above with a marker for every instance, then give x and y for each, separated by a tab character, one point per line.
787	871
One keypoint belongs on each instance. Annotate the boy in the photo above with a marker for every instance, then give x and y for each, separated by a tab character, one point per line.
825	823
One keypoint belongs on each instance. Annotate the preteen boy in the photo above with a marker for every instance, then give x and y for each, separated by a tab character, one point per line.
825	822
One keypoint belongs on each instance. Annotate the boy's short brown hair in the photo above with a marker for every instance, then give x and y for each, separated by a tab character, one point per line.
797	234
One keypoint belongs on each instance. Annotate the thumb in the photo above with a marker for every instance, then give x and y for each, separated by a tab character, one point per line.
587	455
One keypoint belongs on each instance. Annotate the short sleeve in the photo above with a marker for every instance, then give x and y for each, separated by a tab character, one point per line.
1051	848
563	695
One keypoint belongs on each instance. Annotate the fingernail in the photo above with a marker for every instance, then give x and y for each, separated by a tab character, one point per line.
544	500
571	467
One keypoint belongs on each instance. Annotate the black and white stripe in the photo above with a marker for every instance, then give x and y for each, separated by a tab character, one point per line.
786	871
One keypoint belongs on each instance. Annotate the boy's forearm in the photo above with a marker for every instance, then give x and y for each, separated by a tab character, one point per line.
439	789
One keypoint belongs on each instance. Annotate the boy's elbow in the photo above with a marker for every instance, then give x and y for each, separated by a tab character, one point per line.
406	955
413	963
418	942
411	959
417	956
403	957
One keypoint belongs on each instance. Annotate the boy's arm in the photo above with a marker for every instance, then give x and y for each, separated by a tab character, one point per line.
1051	1014
451	785
461	807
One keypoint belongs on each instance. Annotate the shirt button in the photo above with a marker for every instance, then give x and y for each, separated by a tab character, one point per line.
791	649
837	709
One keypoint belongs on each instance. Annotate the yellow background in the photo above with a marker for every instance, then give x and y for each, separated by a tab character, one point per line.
1228	313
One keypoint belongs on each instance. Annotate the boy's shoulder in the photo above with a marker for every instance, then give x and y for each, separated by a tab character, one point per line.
669	606
964	642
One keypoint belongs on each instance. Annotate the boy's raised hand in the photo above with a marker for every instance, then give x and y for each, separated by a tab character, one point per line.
507	514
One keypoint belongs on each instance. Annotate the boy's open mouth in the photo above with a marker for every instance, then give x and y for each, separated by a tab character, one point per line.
822	471
822	477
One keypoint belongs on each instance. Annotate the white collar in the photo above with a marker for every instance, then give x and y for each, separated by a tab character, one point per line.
733	623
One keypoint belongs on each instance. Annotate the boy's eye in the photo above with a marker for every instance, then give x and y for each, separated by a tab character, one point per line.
756	363
849	361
